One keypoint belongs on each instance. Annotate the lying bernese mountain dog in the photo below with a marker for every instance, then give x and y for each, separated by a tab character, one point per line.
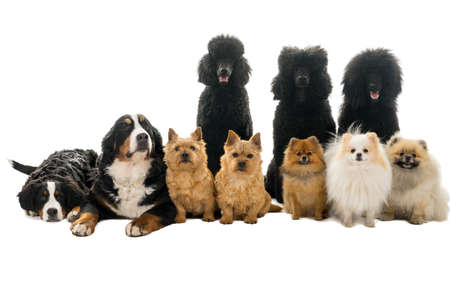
60	184
131	182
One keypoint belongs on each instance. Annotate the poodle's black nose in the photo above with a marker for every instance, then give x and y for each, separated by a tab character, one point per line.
302	81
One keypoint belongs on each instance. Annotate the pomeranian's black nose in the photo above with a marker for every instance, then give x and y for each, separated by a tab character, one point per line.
52	212
142	137
184	155
358	156
304	158
407	158
241	164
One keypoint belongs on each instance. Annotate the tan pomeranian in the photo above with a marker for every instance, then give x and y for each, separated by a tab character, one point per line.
303	171
417	194
190	182
240	183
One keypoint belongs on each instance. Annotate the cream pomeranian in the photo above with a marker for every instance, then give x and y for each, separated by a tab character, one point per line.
417	194
359	177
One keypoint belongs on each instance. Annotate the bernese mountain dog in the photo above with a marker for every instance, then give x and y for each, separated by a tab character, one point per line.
131	182
61	183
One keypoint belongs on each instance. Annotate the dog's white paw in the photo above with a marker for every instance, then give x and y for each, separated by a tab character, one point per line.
73	215
133	230
31	213
82	229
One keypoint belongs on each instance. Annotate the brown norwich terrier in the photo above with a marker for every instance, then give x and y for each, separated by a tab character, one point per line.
240	183
303	171
190	183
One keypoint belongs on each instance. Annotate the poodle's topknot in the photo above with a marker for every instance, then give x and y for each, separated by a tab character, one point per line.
380	61
223	46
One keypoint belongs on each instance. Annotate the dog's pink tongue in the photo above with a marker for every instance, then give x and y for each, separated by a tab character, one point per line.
375	95
223	79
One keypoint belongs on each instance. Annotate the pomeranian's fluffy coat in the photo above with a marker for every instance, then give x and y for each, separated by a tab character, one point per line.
240	183
190	182
417	194
303	170
359	177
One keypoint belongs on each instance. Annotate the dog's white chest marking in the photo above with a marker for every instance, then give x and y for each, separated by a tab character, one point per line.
128	178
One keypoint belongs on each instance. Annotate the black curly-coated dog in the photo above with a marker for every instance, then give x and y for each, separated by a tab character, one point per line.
223	103
302	86
372	82
59	184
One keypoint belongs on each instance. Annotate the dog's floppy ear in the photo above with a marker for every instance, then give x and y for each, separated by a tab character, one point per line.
256	140
241	73
173	136
282	84
28	194
73	195
423	144
109	147
207	71
232	138
197	134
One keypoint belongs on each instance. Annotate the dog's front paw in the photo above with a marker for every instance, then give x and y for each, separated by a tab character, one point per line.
143	225
250	220
73	215
82	229
386	217
226	220
369	223
133	229
208	218
417	220
180	219
31	213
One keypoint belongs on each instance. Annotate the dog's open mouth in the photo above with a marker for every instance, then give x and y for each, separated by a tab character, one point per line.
374	95
223	79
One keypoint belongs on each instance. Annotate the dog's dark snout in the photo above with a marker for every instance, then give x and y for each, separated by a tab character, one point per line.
304	158
241	164
223	72
142	137
185	155
52	212
358	156
407	158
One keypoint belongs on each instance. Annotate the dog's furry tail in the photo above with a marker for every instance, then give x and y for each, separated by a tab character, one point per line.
275	208
22	168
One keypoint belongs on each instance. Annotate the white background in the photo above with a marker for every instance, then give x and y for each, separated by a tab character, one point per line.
69	69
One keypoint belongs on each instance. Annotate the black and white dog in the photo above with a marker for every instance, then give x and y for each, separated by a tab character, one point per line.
131	182
58	185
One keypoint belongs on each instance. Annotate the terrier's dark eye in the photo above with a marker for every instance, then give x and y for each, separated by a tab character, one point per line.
353	150
177	148
309	153
250	155
299	153
192	148
366	151
401	154
414	155
235	154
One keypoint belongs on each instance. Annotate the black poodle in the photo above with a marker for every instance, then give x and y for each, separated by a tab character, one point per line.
223	103
372	82
302	86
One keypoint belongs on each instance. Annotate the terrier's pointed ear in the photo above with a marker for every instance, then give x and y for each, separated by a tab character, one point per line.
346	138
373	137
172	135
197	134
232	138
256	140
292	142
423	144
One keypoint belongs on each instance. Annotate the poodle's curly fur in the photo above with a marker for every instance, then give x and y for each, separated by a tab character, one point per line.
359	109
223	106
303	110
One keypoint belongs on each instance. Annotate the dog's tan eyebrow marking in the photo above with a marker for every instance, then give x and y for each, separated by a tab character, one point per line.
127	120
141	118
